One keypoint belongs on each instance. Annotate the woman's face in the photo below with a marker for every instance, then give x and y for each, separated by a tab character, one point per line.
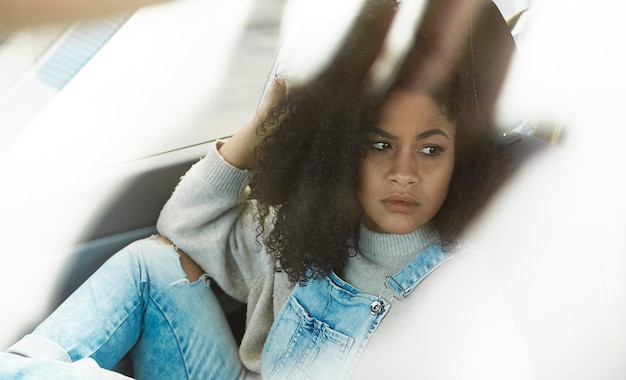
404	178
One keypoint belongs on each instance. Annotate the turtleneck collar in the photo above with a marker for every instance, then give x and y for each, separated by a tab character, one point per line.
374	244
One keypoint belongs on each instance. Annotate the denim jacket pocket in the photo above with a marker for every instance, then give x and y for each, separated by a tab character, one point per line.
302	347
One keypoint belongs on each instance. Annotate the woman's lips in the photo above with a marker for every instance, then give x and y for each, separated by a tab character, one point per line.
400	203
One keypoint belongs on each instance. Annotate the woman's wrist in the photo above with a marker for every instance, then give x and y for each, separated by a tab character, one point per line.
239	150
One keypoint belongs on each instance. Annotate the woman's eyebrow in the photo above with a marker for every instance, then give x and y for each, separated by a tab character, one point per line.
421	136
432	132
384	134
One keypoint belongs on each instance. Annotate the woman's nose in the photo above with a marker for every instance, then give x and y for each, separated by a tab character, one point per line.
403	171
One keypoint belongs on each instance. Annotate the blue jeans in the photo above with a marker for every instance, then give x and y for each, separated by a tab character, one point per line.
139	301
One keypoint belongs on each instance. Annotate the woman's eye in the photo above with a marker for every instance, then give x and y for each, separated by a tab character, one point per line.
381	145
432	151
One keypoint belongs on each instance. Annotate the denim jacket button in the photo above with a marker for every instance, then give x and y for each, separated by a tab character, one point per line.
376	307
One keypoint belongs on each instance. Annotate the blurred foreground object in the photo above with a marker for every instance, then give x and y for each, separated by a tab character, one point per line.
92	156
555	235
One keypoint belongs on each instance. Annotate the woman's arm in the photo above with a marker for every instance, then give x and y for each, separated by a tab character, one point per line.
239	150
209	216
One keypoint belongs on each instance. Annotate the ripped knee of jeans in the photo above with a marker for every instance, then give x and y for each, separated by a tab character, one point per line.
204	279
192	270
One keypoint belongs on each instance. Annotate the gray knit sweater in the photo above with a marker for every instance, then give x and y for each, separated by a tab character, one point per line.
209	217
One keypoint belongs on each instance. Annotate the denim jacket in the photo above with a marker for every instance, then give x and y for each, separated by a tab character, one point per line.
324	326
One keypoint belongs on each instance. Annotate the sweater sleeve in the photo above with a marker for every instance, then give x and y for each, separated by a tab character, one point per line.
209	217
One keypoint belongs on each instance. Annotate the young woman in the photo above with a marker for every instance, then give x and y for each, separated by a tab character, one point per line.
336	215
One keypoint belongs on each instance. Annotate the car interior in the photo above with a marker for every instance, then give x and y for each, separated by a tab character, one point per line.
100	118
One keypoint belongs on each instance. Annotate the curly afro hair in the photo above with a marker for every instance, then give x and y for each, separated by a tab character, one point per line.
305	178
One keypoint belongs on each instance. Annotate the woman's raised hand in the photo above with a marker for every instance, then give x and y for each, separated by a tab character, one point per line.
239	150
